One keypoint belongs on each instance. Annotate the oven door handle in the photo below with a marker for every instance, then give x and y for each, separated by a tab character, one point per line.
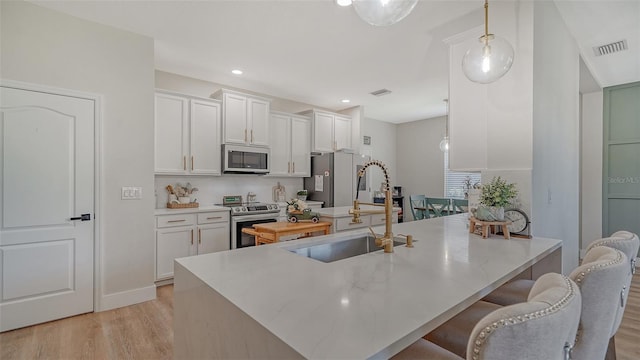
244	218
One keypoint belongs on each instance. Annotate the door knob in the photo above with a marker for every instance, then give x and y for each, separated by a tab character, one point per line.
83	217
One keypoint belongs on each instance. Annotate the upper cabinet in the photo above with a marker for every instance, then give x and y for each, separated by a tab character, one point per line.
245	118
290	137
187	135
330	131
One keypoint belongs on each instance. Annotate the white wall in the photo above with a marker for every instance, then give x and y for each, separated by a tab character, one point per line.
45	47
556	132
420	163
591	168
383	148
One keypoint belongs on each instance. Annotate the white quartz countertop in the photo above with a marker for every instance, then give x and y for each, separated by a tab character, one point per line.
343	211
167	211
372	305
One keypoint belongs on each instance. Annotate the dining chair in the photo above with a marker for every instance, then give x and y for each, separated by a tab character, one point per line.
516	291
438	206
460	205
418	207
544	327
600	279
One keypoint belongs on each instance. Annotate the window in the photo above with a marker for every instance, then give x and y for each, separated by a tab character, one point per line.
454	181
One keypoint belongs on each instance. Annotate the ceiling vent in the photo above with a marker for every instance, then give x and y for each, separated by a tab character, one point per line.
610	48
380	92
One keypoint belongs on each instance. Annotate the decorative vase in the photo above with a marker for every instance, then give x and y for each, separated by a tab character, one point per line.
490	213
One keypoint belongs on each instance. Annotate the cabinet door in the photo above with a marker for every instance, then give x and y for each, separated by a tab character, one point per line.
258	122
342	133
171	134
323	132
235	119
213	238
300	147
280	137
172	243
205	138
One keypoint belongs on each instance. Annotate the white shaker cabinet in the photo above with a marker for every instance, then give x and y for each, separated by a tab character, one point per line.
330	131
187	234
187	135
290	145
245	118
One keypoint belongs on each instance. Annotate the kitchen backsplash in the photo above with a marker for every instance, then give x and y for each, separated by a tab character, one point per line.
212	189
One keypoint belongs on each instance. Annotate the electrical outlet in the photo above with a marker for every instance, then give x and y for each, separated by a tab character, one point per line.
131	193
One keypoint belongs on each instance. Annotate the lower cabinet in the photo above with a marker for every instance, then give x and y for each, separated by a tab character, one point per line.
189	234
345	223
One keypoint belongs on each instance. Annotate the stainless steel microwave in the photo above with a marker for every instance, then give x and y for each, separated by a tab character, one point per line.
238	159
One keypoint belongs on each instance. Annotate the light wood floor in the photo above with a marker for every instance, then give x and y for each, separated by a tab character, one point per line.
144	331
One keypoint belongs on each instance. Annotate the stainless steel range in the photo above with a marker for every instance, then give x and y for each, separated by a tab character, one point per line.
244	215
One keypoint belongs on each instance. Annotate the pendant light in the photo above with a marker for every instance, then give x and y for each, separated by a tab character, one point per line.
383	12
444	144
489	59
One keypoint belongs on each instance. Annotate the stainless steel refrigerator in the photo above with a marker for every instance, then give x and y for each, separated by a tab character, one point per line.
334	177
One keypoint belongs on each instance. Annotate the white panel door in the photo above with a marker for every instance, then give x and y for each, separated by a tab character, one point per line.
205	138
171	244
300	147
280	142
46	178
213	238
323	132
234	119
258	115
171	136
342	133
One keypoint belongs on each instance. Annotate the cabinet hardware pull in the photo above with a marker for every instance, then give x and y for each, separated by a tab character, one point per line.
245	135
294	168
289	167
214	217
192	161
252	136
191	236
173	221
199	237
184	163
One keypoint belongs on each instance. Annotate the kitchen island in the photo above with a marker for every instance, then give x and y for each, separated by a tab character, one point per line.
268	302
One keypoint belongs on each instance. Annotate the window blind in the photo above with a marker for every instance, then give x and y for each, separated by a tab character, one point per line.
454	181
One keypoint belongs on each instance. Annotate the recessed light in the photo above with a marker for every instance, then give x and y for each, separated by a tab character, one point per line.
343	2
236	71
346	101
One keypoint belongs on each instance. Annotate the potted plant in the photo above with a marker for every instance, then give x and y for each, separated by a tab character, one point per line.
302	195
494	197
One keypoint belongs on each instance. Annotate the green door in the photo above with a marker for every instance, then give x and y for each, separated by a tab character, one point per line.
621	166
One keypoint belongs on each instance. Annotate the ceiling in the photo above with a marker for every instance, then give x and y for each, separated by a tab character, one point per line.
316	52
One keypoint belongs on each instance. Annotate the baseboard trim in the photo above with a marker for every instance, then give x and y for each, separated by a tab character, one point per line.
126	298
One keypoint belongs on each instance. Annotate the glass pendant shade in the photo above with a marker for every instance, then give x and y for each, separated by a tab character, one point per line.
487	60
444	144
383	12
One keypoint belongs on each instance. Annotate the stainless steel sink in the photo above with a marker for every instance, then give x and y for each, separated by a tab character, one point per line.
338	250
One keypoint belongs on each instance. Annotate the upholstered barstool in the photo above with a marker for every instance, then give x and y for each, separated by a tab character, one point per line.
600	278
517	291
542	328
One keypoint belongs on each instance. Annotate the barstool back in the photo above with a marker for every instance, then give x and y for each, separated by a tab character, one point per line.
544	327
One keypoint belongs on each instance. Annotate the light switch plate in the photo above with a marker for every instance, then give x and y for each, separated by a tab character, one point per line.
131	193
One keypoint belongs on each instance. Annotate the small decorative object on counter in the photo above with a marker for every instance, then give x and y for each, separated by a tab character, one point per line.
298	210
302	195
494	197
181	197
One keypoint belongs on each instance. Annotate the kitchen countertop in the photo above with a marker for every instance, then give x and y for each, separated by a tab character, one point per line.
167	211
367	306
